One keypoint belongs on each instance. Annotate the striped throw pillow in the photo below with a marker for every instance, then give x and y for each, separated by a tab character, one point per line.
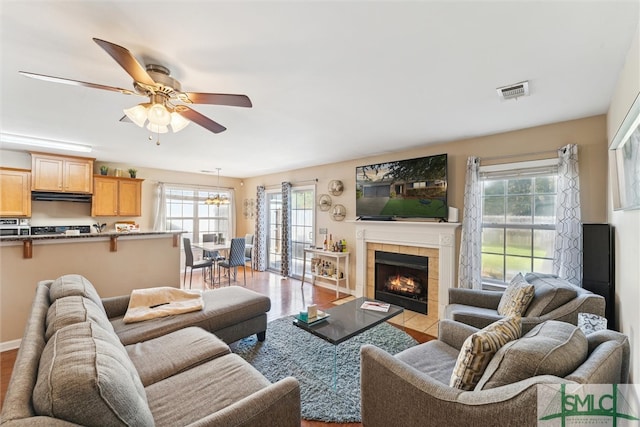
478	349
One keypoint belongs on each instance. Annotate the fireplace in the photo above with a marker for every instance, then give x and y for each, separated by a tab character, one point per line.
402	279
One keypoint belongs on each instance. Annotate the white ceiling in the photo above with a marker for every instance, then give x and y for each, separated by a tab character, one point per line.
329	81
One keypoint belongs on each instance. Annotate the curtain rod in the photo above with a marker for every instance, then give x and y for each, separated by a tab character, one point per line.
182	184
511	156
306	181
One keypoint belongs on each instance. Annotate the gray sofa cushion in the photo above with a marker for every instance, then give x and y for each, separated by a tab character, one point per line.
434	358
71	310
551	292
551	348
212	387
85	377
162	357
74	285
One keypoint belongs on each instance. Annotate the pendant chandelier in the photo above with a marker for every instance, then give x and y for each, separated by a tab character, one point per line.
218	199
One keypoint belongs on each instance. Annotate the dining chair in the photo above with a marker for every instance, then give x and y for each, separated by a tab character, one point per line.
215	256
248	251
189	262
236	259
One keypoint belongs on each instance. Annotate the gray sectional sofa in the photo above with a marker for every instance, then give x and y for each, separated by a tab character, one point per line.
79	364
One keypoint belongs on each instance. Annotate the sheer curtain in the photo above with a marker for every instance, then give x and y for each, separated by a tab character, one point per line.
567	258
160	214
261	229
285	261
470	265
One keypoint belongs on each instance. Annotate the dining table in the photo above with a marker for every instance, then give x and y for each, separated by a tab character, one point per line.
223	248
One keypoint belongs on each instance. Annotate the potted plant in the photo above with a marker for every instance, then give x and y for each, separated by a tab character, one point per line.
132	172
104	169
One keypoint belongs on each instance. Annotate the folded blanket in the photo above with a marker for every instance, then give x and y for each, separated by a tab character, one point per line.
151	303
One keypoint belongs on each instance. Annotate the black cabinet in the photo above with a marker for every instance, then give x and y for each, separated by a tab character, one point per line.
598	256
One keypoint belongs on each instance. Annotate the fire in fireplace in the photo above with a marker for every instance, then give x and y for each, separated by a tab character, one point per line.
402	279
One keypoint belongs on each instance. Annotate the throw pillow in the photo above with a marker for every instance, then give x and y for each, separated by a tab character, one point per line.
478	349
551	348
590	323
516	297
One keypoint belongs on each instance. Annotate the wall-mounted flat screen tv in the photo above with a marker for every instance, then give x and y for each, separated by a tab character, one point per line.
412	188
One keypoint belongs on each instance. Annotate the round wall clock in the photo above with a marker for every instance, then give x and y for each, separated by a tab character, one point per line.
324	202
338	213
336	187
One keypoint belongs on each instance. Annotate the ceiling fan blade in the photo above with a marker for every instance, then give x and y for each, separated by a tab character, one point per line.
198	118
219	99
126	61
76	83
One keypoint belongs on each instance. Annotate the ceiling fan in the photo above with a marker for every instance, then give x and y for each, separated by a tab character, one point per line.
166	99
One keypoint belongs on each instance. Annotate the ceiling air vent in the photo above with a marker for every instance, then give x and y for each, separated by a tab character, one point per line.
513	91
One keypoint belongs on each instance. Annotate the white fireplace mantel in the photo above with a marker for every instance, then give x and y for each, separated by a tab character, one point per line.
409	233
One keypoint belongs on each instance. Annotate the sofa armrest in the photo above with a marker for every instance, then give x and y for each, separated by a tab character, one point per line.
116	306
475	297
276	405
454	333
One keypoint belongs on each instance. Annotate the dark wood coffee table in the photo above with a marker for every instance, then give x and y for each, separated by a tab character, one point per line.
346	321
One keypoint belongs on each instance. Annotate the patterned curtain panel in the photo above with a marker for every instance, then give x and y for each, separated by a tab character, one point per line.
261	229
285	262
470	267
160	214
567	257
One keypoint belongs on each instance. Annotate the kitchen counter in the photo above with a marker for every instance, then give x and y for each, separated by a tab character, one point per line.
27	241
143	259
84	235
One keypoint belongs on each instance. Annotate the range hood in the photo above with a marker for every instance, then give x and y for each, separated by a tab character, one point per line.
60	197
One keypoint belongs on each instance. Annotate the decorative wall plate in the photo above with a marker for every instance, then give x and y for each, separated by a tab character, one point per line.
324	202
338	213
336	187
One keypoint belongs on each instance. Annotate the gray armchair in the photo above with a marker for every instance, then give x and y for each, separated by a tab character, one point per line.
412	387
554	299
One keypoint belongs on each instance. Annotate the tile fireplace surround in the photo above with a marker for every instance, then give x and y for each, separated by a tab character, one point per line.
432	239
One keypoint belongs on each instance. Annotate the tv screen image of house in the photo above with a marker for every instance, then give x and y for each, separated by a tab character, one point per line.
412	188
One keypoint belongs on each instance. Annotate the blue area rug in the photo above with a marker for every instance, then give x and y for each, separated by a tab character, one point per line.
291	351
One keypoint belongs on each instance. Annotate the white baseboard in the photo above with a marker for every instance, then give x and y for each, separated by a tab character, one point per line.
10	345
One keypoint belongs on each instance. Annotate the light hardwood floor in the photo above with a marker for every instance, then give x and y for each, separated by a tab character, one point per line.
287	297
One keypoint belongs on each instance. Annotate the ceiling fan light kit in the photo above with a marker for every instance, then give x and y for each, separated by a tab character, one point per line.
154	81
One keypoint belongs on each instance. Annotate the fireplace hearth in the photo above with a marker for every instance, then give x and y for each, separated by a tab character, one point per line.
402	279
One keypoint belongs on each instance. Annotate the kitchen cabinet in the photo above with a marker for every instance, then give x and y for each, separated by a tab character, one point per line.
116	196
15	192
62	174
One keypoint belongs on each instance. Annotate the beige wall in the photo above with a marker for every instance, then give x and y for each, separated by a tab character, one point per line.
588	133
140	262
627	223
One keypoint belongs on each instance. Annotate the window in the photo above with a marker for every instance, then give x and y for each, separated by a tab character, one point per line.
186	210
518	219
